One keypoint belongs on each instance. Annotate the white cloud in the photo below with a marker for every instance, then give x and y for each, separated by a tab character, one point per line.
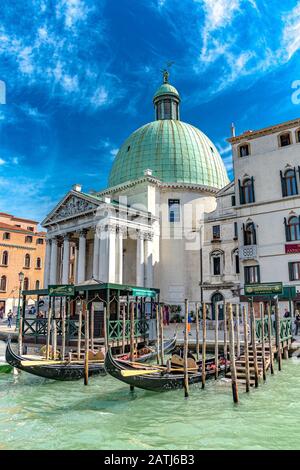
291	31
2	161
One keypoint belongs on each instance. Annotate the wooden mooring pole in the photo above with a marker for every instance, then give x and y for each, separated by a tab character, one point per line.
225	334
54	338
203	344
63	332
48	333
216	340
197	333
92	326
79	334
278	344
157	316
20	335
123	329
246	349
263	348
86	348
161	335
254	350
185	350
232	356
270	338
106	330
238	339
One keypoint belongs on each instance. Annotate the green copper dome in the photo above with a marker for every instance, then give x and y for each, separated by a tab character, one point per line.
176	152
166	89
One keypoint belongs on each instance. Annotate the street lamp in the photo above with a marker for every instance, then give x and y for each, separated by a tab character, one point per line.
21	280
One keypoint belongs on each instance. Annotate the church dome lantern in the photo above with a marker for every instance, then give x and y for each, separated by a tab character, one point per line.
166	100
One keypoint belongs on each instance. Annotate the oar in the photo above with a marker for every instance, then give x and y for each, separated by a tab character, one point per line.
131	373
53	362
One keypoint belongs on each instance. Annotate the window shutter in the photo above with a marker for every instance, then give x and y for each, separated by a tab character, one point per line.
252	184
241	193
296	184
291	271
244	234
283	184
258	273
287	231
254	234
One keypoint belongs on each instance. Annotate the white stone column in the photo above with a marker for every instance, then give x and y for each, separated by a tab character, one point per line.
149	260
81	257
53	265
140	260
103	246
96	254
111	261
120	255
47	263
66	260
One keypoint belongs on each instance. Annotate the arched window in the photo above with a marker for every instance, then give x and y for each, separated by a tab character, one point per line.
217	298
249	234
38	263
244	150
247	191
289	182
3	283
27	261
236	261
292	227
285	139
4	260
26	283
217	263
37	285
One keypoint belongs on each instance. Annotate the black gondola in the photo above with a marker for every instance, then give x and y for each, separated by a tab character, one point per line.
66	371
158	381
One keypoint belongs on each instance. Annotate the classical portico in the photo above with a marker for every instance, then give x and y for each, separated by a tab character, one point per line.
88	239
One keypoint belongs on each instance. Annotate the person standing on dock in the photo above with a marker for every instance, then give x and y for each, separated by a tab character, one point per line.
9	318
297	322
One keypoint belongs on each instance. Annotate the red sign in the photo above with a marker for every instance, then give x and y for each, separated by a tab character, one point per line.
295	248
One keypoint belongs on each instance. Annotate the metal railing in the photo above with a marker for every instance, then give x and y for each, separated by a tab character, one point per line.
115	329
37	327
286	331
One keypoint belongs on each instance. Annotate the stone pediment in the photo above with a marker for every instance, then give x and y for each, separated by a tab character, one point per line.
71	206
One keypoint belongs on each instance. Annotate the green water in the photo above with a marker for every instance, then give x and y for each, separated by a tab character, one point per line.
40	414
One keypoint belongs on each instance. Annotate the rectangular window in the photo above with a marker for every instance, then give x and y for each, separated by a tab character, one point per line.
6	236
174	210
39	241
28	239
216	232
235	230
252	274
237	264
31	229
294	271
233	203
217	266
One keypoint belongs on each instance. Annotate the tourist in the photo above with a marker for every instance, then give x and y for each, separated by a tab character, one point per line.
9	318
297	321
286	313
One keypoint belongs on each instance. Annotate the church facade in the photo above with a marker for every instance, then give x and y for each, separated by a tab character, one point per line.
170	218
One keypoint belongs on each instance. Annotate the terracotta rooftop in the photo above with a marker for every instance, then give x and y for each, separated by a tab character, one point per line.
19	229
248	135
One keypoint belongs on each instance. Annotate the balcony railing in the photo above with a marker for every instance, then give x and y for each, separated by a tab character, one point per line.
248	252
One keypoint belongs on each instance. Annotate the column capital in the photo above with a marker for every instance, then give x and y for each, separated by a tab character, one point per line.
121	230
67	236
83	232
148	236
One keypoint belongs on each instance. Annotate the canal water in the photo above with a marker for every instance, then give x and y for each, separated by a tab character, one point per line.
40	414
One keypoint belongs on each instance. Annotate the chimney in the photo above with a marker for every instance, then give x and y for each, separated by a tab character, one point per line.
232	129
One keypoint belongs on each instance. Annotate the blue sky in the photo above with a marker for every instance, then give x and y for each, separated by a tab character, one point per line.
80	76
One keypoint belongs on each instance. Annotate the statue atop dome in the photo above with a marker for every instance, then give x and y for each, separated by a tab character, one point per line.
166	72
